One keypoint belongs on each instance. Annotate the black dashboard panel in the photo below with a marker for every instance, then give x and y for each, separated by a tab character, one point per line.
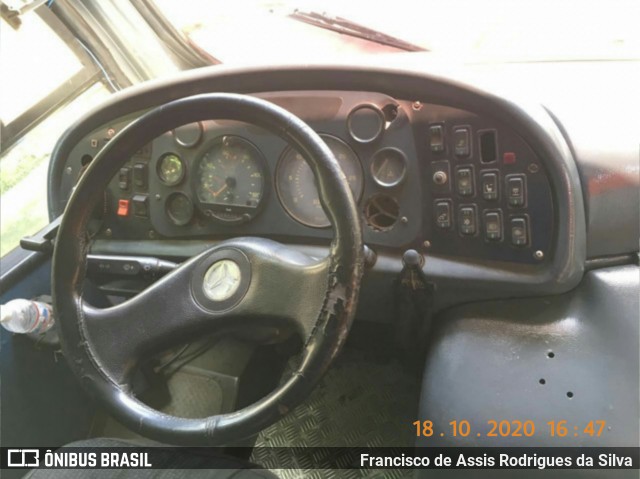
487	194
326	112
434	178
550	216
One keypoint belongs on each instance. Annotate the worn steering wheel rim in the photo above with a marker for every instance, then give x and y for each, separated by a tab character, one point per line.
79	324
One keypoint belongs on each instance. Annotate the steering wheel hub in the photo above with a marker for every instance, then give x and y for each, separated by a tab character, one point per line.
222	280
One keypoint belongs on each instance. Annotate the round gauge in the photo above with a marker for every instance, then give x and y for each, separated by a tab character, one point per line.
365	123
229	179
389	167
179	208
188	135
171	169
297	188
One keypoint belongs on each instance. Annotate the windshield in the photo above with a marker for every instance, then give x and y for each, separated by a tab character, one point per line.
60	58
504	30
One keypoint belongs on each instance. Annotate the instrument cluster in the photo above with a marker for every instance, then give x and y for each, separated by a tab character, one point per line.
228	175
423	176
219	178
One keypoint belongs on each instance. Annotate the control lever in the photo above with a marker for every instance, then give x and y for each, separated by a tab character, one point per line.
414	301
412	275
129	265
42	241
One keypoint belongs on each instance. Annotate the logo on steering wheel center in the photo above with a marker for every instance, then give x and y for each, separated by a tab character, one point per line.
222	280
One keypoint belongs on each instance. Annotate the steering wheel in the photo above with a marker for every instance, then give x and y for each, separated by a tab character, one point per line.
239	283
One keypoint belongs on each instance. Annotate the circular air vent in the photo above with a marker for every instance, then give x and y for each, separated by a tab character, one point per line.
381	212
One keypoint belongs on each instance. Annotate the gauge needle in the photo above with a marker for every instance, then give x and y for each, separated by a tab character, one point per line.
216	193
383	166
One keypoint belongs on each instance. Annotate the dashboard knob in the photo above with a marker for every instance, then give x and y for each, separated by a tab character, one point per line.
411	258
440	178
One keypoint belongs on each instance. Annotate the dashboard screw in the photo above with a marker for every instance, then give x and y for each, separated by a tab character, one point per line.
427	244
68	170
158	196
108	232
533	168
538	255
416	106
404	220
152	234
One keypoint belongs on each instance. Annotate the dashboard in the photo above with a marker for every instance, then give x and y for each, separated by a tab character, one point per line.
482	184
426	176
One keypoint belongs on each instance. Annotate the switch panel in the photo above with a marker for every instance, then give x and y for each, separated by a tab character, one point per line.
436	138
140	205
123	207
519	231
489	185
488	198
467	220
462	142
492	225
516	190
440	178
140	175
124	178
464	181
443	211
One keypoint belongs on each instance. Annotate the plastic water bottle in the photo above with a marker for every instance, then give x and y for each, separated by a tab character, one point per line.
23	316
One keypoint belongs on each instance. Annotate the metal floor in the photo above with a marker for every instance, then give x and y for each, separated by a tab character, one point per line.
361	402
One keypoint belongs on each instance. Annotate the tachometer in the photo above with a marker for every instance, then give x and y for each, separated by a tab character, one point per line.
296	185
229	179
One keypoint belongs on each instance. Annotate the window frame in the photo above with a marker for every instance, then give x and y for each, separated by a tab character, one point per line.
18	263
62	95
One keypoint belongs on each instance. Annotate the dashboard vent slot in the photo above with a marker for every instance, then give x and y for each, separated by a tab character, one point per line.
381	212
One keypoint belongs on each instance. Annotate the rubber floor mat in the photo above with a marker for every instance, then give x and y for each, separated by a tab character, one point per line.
191	394
361	402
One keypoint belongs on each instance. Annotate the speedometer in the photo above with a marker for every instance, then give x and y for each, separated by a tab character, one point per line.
297	188
229	179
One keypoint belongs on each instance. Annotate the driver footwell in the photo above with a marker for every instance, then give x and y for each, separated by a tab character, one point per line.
366	399
362	401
